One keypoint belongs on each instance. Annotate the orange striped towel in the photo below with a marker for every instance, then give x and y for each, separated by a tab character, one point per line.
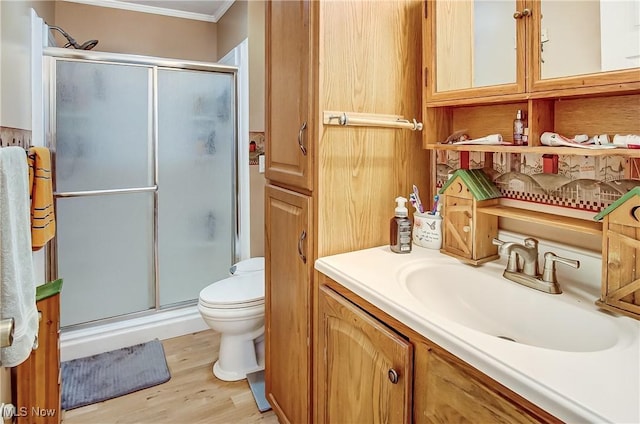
43	222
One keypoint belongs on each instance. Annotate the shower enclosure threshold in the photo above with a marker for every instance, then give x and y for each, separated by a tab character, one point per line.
103	337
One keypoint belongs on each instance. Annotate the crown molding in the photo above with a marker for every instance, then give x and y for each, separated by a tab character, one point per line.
116	4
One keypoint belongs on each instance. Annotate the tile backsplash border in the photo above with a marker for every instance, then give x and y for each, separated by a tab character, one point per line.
578	182
15	137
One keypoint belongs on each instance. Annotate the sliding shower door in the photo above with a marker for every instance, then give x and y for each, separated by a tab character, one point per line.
145	181
196	180
105	189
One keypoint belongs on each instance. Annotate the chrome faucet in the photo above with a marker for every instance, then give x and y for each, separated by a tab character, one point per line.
528	274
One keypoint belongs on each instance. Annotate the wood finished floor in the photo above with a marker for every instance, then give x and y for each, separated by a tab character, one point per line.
192	395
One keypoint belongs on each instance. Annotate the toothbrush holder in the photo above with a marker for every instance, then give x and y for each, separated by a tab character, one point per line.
427	230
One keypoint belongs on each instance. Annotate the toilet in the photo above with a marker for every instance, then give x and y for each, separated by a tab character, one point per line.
234	307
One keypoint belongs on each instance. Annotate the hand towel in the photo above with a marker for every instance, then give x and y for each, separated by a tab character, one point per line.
43	224
17	281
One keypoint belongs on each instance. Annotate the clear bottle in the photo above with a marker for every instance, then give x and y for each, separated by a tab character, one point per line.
518	129
400	228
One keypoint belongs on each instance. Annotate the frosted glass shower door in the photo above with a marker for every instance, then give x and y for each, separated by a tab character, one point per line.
104	189
196	181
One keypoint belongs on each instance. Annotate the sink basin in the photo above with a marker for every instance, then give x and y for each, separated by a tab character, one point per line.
482	300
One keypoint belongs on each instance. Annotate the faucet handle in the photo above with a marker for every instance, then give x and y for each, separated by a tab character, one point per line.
531	243
497	242
512	262
549	270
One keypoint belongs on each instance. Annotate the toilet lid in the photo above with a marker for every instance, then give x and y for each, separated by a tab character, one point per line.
241	290
248	265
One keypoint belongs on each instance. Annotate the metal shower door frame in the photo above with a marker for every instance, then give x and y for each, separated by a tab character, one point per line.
52	56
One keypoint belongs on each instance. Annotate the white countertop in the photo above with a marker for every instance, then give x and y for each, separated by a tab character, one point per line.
596	387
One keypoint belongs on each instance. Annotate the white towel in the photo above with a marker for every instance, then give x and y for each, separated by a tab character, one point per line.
17	281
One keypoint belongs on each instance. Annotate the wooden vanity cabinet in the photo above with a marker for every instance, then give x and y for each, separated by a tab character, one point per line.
447	390
357	344
364	368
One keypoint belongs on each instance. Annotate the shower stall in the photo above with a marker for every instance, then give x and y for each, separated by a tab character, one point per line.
144	156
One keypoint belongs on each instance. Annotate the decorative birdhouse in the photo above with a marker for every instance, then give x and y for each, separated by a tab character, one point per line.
621	255
468	233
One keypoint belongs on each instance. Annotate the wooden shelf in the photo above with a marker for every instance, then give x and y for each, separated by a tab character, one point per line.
565	93
552	220
633	153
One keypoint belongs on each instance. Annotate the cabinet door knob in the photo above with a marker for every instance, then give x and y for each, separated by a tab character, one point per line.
300	133
303	236
523	14
393	376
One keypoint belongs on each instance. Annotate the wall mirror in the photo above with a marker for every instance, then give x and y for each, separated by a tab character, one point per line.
588	36
475	44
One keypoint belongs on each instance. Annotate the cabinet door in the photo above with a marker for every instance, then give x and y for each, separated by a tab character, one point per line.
565	53
364	369
446	393
37	379
289	129
473	49
289	266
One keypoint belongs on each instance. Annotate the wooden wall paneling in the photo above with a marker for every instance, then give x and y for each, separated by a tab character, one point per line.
438	125
484	120
594	116
541	118
368	66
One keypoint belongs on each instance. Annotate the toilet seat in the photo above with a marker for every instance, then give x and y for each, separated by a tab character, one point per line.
239	291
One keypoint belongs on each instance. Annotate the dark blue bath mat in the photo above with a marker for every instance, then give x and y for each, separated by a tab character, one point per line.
111	374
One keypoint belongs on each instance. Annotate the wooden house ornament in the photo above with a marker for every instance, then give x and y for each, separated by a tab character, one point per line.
467	232
621	255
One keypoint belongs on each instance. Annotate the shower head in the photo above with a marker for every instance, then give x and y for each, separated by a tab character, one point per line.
87	45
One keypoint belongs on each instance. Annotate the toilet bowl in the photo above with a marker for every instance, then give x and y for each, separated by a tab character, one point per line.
234	307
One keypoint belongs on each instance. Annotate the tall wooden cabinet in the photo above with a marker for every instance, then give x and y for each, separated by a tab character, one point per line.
330	56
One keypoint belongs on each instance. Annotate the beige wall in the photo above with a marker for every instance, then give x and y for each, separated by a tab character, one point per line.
123	31
245	19
256	30
232	27
256	65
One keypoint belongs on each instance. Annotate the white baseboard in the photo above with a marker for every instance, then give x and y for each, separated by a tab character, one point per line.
103	338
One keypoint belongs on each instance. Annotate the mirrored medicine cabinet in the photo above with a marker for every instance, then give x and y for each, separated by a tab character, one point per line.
488	47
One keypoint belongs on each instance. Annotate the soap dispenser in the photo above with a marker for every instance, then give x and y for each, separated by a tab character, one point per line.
400	231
